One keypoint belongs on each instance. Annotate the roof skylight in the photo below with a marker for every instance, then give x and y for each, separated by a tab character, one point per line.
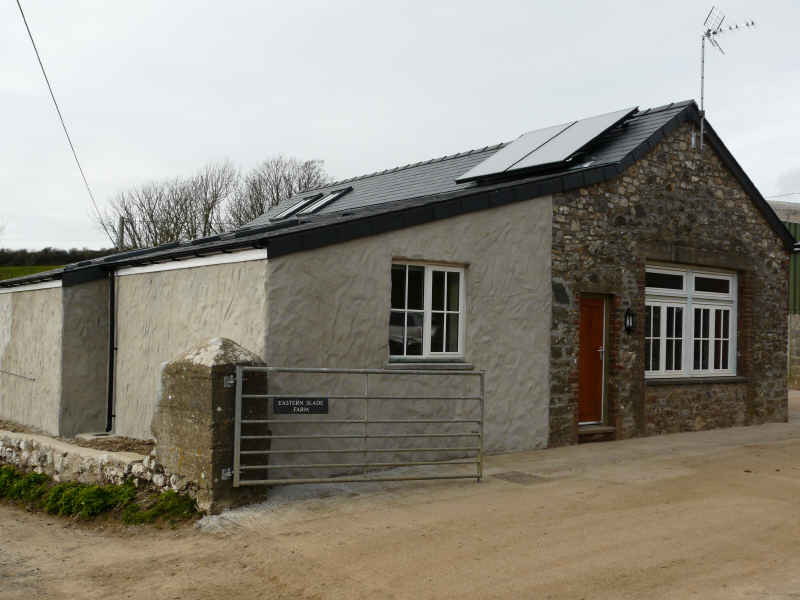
311	204
296	207
322	202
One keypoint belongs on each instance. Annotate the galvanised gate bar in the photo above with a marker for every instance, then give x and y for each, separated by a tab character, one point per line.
254	465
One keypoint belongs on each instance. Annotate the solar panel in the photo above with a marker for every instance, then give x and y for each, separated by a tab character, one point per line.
548	146
514	152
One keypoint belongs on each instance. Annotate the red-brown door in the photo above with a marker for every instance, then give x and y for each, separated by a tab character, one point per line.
590	360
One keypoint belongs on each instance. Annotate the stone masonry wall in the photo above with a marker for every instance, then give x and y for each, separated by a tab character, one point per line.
675	408
671	206
66	462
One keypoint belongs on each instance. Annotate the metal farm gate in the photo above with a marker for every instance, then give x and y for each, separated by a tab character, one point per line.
355	435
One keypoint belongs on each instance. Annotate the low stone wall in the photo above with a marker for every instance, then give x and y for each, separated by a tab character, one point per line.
676	408
66	462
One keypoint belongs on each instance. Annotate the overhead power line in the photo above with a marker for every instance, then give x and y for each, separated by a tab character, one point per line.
58	110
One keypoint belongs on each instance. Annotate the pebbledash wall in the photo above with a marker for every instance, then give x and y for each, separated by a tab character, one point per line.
670	206
30	356
162	314
330	307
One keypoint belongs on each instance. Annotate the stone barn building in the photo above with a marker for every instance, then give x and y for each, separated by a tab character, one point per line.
789	213
611	277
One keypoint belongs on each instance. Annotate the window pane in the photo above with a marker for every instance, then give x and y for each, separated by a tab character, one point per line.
725	324
696	363
724	360
697	321
414	321
663	280
679	323
396	333
438	290
656	353
398	286
648	321
705	323
453	280
717	352
416	284
712	284
647	350
451	341
656	322
704	354
670	321
678	356
437	332
669	356
717	323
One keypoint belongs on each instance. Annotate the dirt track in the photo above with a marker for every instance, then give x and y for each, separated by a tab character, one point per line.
706	515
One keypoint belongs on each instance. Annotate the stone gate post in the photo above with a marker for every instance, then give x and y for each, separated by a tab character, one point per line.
193	424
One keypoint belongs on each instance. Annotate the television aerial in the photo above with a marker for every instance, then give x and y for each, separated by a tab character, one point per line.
713	27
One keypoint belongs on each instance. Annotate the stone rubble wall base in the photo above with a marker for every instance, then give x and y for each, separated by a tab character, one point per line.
65	462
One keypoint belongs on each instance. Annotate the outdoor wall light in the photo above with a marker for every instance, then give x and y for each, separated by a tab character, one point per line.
630	320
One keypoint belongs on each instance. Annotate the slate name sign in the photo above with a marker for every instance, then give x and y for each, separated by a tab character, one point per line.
300	406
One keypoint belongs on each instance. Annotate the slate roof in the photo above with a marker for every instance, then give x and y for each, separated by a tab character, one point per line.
425	192
438	175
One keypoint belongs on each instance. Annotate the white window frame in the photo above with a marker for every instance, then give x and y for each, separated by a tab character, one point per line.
427	354
662	371
689	299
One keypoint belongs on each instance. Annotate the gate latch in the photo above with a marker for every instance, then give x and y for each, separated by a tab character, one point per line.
229	381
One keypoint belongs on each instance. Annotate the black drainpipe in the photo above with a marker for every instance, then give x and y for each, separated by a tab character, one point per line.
112	349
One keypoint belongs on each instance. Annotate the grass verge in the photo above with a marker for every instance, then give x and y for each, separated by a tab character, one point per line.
87	501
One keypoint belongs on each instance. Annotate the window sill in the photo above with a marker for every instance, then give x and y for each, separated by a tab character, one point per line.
430	365
695	380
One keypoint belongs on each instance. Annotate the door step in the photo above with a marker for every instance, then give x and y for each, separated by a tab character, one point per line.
596	433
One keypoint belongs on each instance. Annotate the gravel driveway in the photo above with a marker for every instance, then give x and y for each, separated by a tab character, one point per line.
707	515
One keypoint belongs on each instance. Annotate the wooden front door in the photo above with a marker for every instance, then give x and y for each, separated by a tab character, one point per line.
591	360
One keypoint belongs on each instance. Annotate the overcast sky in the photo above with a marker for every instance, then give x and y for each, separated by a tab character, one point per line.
156	89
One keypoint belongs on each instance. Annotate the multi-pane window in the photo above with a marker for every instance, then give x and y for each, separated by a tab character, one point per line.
652	337
663	337
722	337
690	324
427	311
701	338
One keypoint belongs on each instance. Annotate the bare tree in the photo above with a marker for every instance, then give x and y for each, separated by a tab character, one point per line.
215	199
205	198
269	183
166	211
145	216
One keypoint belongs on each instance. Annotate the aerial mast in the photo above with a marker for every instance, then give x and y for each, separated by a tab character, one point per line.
712	28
